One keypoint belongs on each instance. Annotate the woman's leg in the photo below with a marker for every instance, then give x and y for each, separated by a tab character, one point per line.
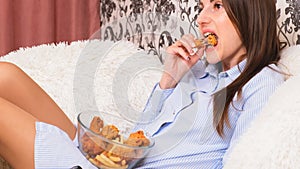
17	134
19	89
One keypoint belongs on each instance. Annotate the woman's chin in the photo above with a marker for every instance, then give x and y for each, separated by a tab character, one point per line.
213	60
212	55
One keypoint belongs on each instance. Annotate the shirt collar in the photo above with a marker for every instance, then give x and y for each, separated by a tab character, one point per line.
216	80
235	71
232	73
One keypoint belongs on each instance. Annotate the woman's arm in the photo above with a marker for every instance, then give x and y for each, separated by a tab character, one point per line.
155	102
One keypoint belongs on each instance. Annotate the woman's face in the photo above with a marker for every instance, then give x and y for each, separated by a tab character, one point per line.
214	19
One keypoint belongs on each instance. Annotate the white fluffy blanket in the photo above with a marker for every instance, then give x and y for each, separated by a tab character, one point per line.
111	70
272	142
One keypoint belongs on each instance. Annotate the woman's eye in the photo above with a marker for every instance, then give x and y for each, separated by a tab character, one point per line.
218	5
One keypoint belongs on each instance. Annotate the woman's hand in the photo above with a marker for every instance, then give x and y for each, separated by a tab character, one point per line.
179	59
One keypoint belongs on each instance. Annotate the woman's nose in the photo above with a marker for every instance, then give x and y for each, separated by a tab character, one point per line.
203	17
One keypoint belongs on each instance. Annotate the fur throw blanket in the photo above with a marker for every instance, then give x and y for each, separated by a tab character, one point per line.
68	72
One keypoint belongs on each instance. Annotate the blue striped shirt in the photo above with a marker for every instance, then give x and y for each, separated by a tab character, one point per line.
181	119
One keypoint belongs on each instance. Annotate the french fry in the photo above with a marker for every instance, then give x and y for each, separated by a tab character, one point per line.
114	158
123	162
106	161
93	161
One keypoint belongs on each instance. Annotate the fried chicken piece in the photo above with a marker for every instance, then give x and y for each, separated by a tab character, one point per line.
212	39
96	124
124	153
137	139
90	147
110	132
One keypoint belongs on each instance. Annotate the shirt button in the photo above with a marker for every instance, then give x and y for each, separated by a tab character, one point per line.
223	74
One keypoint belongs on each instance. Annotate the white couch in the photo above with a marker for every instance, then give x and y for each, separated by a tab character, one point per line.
272	142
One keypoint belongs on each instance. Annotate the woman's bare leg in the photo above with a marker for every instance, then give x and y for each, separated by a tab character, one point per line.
19	89
17	134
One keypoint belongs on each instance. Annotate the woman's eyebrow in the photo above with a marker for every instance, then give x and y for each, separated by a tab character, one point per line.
201	3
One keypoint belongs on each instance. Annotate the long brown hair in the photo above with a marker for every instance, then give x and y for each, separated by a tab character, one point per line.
255	22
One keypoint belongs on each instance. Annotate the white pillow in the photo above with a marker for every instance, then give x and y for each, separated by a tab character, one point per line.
290	60
273	139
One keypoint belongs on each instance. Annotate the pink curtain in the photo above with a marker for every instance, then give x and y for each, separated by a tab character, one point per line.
26	23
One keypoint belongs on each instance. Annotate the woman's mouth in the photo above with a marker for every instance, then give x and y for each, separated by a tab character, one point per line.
212	38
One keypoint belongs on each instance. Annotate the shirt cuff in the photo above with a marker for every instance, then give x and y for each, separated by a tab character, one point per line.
165	92
154	104
199	69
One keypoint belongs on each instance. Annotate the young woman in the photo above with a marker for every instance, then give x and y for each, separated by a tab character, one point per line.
196	115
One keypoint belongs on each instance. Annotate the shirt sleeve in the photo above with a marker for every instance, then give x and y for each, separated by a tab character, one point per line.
158	96
257	94
155	102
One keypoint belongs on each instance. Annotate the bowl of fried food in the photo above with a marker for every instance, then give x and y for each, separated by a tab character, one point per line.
109	141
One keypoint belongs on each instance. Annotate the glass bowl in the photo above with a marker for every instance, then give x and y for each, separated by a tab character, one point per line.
108	141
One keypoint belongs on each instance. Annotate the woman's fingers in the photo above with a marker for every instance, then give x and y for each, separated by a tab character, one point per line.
188	43
178	49
199	53
179	59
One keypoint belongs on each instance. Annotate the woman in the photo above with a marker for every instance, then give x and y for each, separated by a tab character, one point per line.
195	125
215	115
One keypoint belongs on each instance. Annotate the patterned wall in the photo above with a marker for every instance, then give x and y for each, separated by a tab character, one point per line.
288	17
155	24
